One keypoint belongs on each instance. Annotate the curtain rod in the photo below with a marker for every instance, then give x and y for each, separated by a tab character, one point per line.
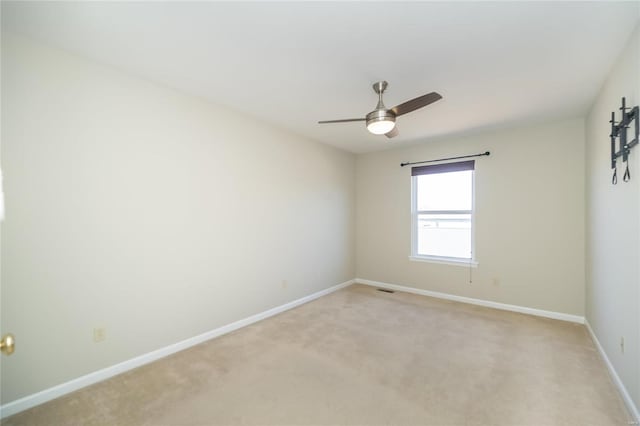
444	159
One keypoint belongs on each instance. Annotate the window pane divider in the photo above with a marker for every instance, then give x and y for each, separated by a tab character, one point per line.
444	211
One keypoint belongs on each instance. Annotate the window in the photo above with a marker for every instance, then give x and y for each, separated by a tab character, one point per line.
442	209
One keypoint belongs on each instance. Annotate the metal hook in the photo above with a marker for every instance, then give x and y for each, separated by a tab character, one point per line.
627	174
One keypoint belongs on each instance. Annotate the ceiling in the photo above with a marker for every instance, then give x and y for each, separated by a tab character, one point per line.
291	64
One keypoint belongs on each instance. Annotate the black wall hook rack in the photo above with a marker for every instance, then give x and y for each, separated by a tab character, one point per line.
619	130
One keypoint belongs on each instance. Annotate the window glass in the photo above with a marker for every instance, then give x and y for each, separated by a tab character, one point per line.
447	235
445	191
442	212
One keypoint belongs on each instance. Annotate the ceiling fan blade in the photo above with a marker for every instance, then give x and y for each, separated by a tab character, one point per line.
393	133
416	103
346	120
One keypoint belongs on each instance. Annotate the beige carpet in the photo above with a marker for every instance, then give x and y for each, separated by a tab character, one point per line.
363	357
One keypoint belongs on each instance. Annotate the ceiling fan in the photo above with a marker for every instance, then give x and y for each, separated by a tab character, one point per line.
382	121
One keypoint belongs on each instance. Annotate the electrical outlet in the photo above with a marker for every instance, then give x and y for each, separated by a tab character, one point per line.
285	284
99	334
622	344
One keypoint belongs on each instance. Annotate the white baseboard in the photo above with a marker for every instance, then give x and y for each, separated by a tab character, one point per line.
29	401
480	302
631	406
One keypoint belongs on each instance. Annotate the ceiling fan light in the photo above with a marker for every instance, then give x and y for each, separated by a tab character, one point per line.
381	127
380	122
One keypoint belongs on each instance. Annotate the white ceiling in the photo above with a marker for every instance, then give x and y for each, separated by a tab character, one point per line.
292	64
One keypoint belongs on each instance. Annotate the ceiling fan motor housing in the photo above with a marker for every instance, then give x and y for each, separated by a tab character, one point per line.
383	119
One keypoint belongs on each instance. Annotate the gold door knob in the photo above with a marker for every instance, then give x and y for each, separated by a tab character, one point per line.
8	344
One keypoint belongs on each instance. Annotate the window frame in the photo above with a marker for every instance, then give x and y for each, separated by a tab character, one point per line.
463	261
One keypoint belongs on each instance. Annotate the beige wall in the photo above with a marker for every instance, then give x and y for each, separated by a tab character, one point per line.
151	213
529	218
613	227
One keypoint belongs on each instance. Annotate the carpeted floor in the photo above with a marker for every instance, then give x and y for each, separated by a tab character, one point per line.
363	357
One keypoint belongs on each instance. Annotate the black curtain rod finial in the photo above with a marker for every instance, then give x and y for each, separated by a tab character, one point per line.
445	159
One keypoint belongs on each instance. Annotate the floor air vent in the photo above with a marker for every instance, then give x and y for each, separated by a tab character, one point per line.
385	290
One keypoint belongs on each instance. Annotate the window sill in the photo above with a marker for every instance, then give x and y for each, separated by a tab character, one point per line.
444	261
